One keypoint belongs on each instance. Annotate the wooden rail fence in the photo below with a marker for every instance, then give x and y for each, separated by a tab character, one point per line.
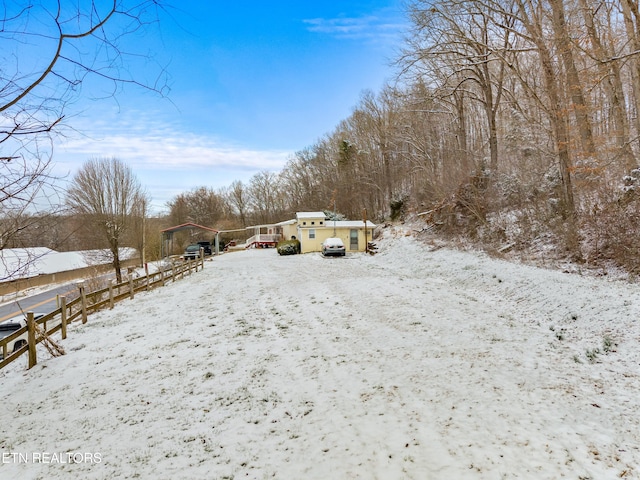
79	308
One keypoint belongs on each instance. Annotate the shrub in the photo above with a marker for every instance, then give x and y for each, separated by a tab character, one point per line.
288	247
398	208
611	222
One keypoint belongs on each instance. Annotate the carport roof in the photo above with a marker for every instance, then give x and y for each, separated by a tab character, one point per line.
186	226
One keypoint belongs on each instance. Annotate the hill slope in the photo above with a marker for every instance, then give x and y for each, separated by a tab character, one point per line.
408	364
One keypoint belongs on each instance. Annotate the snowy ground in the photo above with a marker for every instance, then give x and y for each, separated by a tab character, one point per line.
415	363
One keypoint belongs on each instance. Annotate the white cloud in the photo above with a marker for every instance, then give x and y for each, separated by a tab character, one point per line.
166	160
175	152
342	26
366	27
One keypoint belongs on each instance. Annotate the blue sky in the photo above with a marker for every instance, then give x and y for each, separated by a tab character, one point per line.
251	82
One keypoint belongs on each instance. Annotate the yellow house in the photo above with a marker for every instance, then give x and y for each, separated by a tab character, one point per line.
287	229
312	228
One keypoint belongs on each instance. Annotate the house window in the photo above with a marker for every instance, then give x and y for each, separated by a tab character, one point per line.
312	233
321	222
313	223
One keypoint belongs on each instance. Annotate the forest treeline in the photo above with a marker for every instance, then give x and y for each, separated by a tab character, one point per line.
511	122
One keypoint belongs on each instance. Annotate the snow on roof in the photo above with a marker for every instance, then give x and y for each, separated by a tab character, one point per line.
286	222
29	262
338	223
349	224
310	215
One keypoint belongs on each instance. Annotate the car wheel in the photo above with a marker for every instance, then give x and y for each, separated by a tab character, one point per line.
18	345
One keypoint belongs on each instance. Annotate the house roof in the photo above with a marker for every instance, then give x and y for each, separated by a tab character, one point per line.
330	223
186	226
286	222
310	215
349	224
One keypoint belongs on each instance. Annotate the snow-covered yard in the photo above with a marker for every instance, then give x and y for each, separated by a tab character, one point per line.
415	363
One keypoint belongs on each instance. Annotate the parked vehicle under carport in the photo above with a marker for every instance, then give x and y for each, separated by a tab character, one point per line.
192	252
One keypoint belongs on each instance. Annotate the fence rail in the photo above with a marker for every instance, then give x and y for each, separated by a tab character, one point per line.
78	309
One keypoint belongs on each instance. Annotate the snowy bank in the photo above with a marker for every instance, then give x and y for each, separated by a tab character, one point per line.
412	363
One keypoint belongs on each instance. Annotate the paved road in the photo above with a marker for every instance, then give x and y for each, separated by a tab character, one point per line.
43	302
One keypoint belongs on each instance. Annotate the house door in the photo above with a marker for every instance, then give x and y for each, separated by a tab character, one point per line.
353	240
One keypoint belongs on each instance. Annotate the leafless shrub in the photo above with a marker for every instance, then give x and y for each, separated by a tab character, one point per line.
611	225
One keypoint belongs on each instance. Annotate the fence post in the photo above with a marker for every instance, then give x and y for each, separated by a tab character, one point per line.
83	298
131	286
63	316
111	294
31	339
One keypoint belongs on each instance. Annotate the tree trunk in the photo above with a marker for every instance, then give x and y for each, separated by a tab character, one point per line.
116	261
462	133
555	108
491	103
634	43
609	72
574	87
561	134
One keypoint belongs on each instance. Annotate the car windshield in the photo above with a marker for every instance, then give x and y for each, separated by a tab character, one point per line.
193	248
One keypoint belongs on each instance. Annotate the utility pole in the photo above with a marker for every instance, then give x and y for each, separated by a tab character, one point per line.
334	217
366	238
144	238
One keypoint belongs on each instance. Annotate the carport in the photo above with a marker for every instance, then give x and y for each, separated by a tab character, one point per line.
167	235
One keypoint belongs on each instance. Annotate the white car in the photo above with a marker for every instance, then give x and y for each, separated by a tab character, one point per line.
7	327
333	246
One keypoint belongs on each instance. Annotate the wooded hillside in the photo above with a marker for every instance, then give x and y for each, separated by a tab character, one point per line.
510	122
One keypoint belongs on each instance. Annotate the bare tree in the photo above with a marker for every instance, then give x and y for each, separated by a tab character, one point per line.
575	91
531	15
48	50
178	210
462	48
106	193
598	19
201	205
238	198
631	14
302	181
266	197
